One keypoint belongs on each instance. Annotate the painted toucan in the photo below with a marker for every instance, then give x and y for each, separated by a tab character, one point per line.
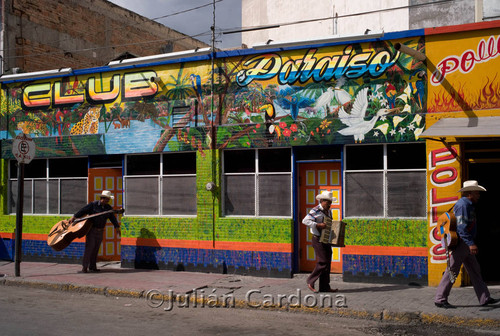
269	115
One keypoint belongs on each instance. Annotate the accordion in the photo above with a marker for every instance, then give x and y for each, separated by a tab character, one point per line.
333	233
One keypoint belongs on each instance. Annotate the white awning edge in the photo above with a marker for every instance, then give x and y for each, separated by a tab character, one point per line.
463	128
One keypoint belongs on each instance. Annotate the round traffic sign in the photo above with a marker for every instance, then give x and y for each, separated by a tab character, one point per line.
23	148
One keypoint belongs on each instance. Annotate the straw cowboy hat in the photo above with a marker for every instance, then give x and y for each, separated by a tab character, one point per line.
107	194
472	185
326	195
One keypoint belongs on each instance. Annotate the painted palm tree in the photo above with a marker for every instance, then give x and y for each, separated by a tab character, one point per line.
179	87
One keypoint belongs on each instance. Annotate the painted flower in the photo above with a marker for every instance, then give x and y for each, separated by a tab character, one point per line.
325	124
257	126
407	108
383	128
282	124
417	119
293	127
287	132
392	132
397	120
402	130
417	132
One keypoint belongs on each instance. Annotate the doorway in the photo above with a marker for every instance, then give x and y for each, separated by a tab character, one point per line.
314	178
108	179
483	165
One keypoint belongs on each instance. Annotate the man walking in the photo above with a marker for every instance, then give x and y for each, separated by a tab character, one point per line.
315	220
466	249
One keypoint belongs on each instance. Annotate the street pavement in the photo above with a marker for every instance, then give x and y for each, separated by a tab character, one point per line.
162	289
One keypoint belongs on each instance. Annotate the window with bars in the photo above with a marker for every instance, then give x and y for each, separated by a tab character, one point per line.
385	180
257	182
161	184
51	186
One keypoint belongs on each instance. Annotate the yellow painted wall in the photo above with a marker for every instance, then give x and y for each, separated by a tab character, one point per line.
464	81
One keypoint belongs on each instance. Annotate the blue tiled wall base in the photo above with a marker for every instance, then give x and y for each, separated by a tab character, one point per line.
385	269
275	264
6	249
38	250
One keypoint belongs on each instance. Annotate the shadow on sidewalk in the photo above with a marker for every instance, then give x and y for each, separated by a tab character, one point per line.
483	308
379	289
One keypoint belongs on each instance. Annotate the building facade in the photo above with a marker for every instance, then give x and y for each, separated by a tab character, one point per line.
299	20
216	163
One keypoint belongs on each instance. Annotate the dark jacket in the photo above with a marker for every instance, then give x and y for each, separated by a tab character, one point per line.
99	222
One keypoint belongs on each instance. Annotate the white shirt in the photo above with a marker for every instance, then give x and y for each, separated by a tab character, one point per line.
315	216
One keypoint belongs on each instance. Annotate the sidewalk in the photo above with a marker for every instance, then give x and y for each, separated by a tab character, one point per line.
359	300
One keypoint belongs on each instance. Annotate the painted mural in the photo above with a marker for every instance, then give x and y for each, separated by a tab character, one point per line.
354	93
364	92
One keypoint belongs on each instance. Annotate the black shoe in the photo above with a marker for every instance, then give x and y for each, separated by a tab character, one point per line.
84	270
94	270
444	305
491	301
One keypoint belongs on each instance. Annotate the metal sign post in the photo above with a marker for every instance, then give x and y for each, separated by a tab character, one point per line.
19	218
23	149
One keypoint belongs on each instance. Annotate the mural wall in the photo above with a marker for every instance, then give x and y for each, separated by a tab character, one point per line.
362	92
330	94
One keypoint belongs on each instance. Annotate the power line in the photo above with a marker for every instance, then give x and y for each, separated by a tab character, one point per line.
55	43
206	33
250	28
187	10
242	29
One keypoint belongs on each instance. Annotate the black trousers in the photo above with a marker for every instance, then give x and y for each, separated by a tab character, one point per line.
93	241
323	265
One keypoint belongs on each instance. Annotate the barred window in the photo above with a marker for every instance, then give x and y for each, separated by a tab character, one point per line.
161	184
51	186
257	182
385	180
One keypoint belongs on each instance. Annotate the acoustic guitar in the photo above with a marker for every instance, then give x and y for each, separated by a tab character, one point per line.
447	224
64	232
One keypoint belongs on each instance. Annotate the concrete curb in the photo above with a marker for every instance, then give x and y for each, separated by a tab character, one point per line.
384	315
